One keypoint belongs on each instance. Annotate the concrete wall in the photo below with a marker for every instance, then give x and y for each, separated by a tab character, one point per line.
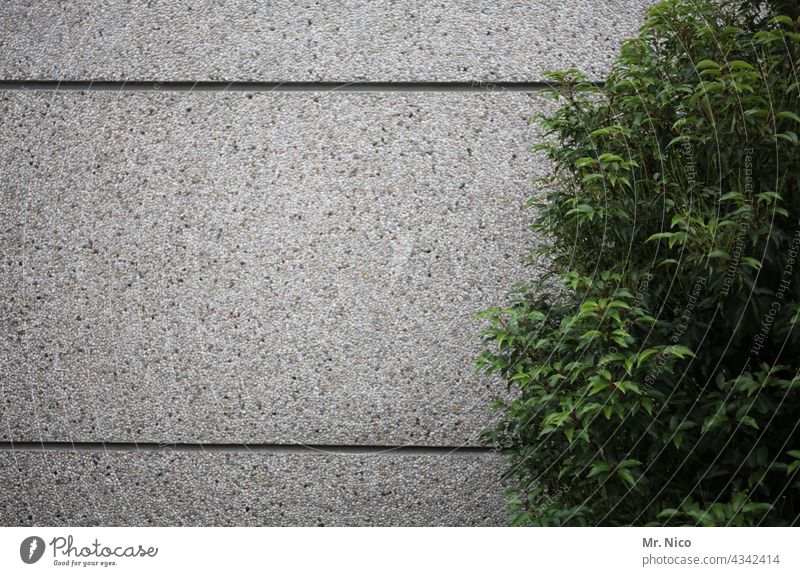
212	280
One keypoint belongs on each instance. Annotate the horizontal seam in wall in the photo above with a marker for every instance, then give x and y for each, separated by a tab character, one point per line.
155	86
240	448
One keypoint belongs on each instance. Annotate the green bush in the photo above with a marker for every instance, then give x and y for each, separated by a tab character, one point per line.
653	373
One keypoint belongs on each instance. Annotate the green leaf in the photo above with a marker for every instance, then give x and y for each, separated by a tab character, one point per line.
598	469
751	262
785	20
668	513
749	421
786	115
679	351
660	235
703	64
626	475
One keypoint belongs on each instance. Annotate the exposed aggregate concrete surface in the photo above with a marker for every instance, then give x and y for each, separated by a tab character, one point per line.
198	489
286	40
227	276
259	268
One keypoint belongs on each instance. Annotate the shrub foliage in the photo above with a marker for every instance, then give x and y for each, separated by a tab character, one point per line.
653	370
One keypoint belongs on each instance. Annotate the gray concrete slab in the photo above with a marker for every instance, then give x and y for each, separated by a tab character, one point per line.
11	289
276	268
286	40
190	489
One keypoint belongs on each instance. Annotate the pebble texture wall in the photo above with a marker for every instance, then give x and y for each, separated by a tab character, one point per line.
241	303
